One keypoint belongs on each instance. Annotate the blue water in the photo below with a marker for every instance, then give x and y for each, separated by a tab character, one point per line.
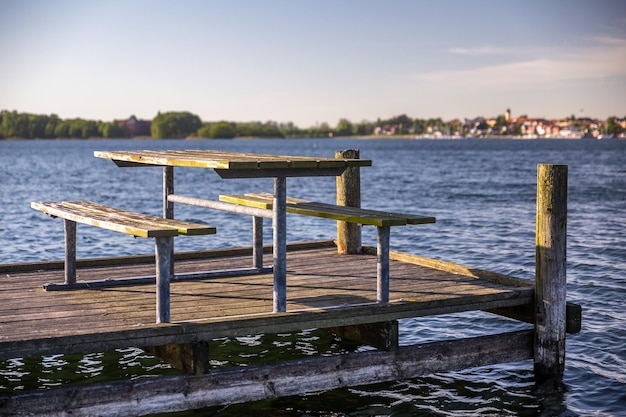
482	193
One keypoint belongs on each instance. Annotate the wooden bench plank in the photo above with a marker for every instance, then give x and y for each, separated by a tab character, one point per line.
330	211
249	200
100	220
226	160
183	227
122	221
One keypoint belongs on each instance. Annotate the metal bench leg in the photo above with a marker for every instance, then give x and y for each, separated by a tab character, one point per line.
257	239
164	261
168	206
70	252
382	264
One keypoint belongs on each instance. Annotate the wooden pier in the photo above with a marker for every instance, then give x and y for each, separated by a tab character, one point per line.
325	289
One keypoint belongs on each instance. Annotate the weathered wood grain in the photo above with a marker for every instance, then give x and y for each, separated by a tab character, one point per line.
235	385
118	220
330	211
348	186
324	289
550	272
220	160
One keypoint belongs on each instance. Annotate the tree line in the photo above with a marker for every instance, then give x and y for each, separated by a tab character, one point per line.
15	125
185	124
35	126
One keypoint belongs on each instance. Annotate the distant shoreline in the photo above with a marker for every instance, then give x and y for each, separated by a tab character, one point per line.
356	137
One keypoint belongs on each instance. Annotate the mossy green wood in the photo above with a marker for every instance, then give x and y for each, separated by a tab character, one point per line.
550	274
225	160
123	221
348	193
256	200
183	227
330	211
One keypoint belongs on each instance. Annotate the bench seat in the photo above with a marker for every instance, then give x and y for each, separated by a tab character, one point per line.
131	223
330	211
122	221
381	219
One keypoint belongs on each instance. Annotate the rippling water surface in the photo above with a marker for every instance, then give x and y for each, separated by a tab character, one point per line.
483	196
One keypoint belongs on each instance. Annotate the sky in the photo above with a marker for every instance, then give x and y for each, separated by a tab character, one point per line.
312	62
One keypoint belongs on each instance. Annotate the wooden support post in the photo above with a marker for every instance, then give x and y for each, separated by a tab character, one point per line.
550	276
382	336
163	246
349	194
382	264
192	358
279	222
257	240
70	252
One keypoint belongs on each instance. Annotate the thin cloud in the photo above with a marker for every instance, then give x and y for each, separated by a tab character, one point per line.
611	41
483	50
602	61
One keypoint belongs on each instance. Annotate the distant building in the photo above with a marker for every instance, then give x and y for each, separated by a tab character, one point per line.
135	127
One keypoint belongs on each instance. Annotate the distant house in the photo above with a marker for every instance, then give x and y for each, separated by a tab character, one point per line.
135	127
386	130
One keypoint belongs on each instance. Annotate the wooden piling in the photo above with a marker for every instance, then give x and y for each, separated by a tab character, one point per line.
191	358
349	194
382	336
550	275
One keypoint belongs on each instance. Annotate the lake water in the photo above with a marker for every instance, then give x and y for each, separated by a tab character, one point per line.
482	193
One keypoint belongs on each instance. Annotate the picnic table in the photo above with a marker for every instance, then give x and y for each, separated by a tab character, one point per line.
232	165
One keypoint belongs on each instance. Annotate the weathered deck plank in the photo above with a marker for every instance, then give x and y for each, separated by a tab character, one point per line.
324	289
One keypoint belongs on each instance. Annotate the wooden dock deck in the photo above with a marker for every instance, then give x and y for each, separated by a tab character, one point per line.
324	290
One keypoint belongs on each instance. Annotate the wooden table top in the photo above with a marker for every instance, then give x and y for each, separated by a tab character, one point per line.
220	160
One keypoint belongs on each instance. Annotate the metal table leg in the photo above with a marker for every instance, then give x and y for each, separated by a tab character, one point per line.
279	222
